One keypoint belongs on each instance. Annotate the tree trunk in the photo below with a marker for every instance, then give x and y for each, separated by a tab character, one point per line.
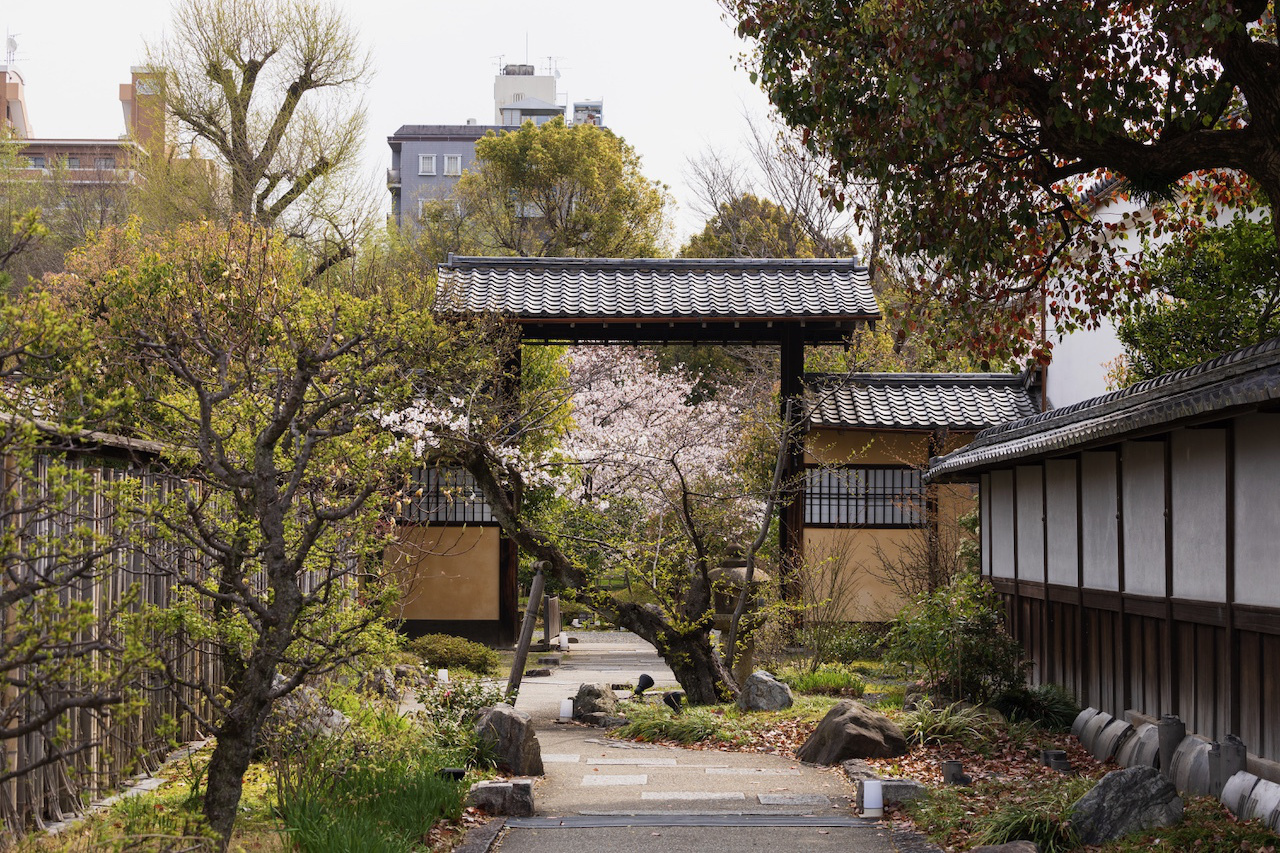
697	667
237	738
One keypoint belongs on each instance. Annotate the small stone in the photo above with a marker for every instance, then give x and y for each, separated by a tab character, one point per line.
573	639
594	699
603	720
1125	801
856	768
536	673
514	798
893	791
762	692
1011	847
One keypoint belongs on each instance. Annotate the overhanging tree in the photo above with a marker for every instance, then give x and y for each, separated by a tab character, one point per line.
265	387
981	127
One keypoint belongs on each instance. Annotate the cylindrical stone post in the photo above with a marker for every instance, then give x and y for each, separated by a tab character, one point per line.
1171	732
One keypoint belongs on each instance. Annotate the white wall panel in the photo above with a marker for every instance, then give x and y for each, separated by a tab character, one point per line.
1001	524
1060	513
1030	496
1143	513
984	526
1257	510
1199	514
1098	470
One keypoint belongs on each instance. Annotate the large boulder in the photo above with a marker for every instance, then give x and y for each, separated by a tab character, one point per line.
762	692
852	730
1126	801
509	733
594	699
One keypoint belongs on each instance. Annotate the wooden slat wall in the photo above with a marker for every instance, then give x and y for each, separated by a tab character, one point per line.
130	743
1200	691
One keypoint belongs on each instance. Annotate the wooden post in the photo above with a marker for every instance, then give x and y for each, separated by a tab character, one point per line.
526	631
791	516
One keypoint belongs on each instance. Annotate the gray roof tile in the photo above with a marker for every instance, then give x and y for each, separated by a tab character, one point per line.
659	287
1241	380
957	401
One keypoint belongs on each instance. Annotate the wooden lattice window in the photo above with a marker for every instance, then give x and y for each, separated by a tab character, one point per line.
864	496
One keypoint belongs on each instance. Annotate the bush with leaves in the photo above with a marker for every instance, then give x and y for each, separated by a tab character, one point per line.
1050	706
957	635
444	651
828	679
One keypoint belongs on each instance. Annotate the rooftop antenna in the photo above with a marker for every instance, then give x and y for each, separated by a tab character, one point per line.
526	47
499	57
10	48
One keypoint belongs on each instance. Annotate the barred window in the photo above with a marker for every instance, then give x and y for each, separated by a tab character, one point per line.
449	496
864	496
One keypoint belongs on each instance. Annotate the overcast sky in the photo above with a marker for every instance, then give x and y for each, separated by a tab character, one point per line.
666	69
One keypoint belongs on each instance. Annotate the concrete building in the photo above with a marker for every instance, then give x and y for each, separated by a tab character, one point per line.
428	159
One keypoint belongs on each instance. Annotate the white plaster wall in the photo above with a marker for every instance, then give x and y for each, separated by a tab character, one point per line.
1098	470
1001	524
1061	520
1199	514
1079	368
985	523
1030	495
1257	510
1143	486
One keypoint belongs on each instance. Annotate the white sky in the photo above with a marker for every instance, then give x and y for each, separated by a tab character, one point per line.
665	69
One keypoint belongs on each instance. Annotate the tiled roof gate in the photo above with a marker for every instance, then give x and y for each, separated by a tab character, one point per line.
962	402
655	300
789	303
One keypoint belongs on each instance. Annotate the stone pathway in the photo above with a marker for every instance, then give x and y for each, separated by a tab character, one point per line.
600	794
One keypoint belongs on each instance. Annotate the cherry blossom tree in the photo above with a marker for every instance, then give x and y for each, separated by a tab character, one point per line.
622	468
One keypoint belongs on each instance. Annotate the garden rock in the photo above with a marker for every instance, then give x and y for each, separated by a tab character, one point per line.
381	682
852	730
857	769
1126	801
302	715
510	734
603	720
414	677
594	699
1011	847
514	798
892	791
763	692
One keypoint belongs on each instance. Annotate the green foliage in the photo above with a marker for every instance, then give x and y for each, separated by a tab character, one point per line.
996	812
376	787
968	134
1214	291
1050	706
557	191
695	725
959	723
751	227
829	679
843	642
1206	827
443	651
957	635
449	714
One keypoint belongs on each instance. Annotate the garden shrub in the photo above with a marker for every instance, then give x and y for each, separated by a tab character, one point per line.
444	651
957	635
959	723
695	725
828	680
843	642
374	788
1050	706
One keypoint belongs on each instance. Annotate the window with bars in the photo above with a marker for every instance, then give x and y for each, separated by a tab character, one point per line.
426	164
449	496
453	164
864	496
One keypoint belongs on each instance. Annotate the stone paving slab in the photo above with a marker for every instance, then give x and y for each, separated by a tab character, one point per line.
665	838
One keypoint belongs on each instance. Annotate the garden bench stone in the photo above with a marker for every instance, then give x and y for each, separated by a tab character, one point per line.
513	798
